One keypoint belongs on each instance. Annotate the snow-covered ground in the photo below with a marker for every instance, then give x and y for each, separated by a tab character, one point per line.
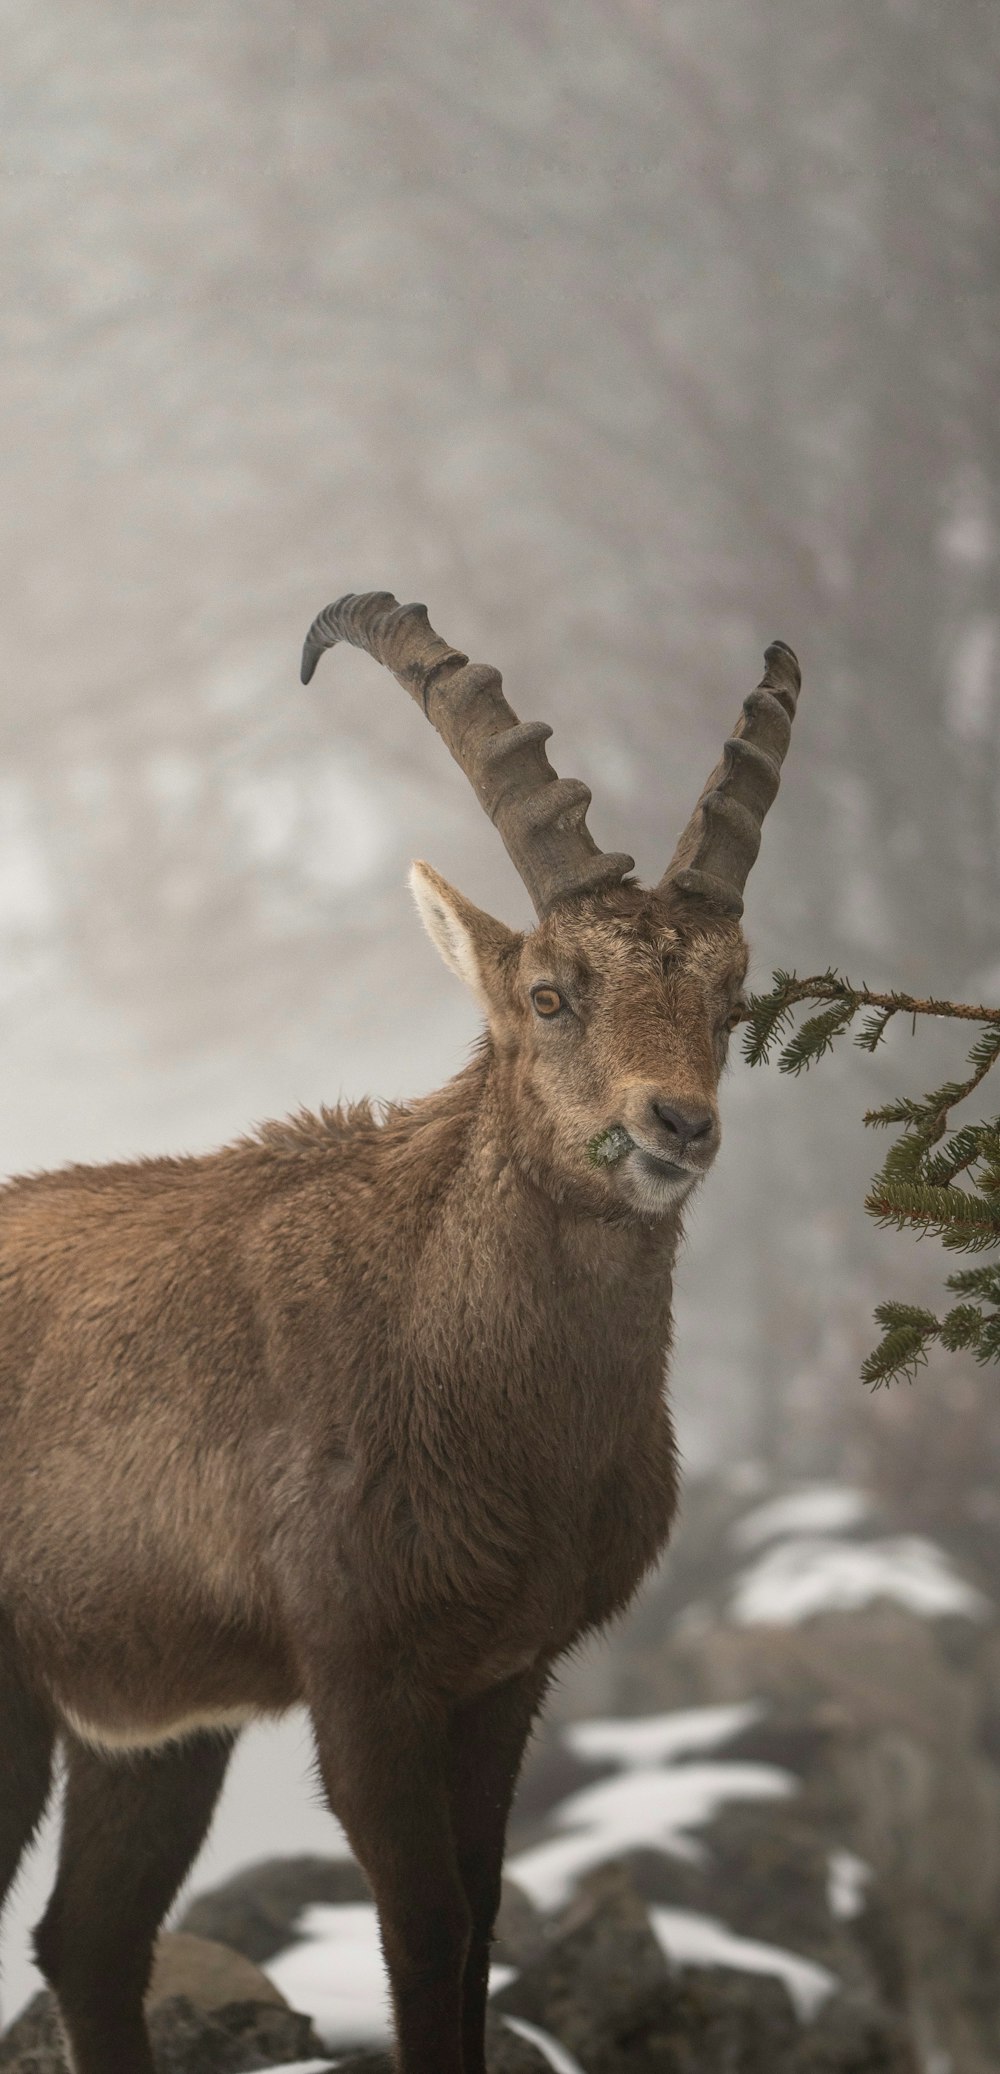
650	1807
807	1563
669	1775
816	1508
690	1939
666	1787
805	1576
659	1738
335	1971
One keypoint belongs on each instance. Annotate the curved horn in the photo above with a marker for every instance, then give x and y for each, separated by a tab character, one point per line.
713	858
540	816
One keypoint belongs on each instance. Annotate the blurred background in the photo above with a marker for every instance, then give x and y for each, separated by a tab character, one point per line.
627	334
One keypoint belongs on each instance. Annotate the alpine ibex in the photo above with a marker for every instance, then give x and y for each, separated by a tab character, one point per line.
366	1411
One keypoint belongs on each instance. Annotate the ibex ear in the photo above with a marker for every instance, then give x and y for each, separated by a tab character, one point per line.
472	943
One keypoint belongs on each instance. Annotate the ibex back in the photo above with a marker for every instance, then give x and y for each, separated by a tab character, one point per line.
367	1411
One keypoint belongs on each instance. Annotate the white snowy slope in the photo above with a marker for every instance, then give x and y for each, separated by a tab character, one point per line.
336	1974
694	1940
818	1508
656	1738
805	1576
642	1808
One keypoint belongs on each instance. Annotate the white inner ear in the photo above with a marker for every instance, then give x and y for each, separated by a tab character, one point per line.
446	928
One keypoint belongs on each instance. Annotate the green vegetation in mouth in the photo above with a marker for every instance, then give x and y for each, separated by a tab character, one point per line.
609	1146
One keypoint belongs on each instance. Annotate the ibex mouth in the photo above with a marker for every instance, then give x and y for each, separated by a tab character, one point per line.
614	1145
663	1169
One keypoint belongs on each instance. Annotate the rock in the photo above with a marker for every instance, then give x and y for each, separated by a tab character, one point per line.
604	1990
890	1723
849	2039
508	2053
520	1936
209	1974
733	2023
256	1912
738	2023
33	2044
232	2039
767	1874
602	1958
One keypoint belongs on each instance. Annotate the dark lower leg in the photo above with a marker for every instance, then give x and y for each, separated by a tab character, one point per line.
384	1772
26	1740
131	1829
486	1743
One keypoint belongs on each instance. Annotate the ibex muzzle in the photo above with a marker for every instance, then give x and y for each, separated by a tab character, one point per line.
366	1412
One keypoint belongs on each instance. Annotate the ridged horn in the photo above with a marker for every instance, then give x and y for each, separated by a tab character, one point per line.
540	816
713	858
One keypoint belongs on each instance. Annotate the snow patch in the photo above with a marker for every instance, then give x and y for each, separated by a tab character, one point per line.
641	1809
658	1738
335	1972
801	1578
820	1508
549	2047
688	1939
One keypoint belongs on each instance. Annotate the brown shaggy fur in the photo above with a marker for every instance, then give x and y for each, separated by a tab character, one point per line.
365	1412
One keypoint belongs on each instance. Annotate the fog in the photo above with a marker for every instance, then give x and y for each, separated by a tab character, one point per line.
627	334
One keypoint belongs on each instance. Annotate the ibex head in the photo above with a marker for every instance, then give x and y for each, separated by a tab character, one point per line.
610	1020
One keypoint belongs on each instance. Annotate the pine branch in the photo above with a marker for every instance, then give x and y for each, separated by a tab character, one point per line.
768	1015
900	1352
873	1029
962	1327
944	1211
960	1153
916	1188
829	986
901	1111
813	1038
976	1281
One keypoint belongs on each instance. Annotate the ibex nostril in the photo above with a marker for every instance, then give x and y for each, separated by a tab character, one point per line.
685	1127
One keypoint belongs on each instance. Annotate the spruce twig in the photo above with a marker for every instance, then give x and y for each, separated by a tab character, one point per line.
916	1187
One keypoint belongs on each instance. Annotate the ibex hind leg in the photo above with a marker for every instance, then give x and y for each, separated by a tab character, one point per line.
27	1735
132	1826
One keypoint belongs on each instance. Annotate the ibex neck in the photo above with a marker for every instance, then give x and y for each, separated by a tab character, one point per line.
503	1191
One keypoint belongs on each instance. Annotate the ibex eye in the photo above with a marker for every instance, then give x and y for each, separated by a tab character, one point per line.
546	1000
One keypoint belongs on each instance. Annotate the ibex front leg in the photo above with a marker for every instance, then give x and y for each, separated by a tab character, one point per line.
486	1742
384	1766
